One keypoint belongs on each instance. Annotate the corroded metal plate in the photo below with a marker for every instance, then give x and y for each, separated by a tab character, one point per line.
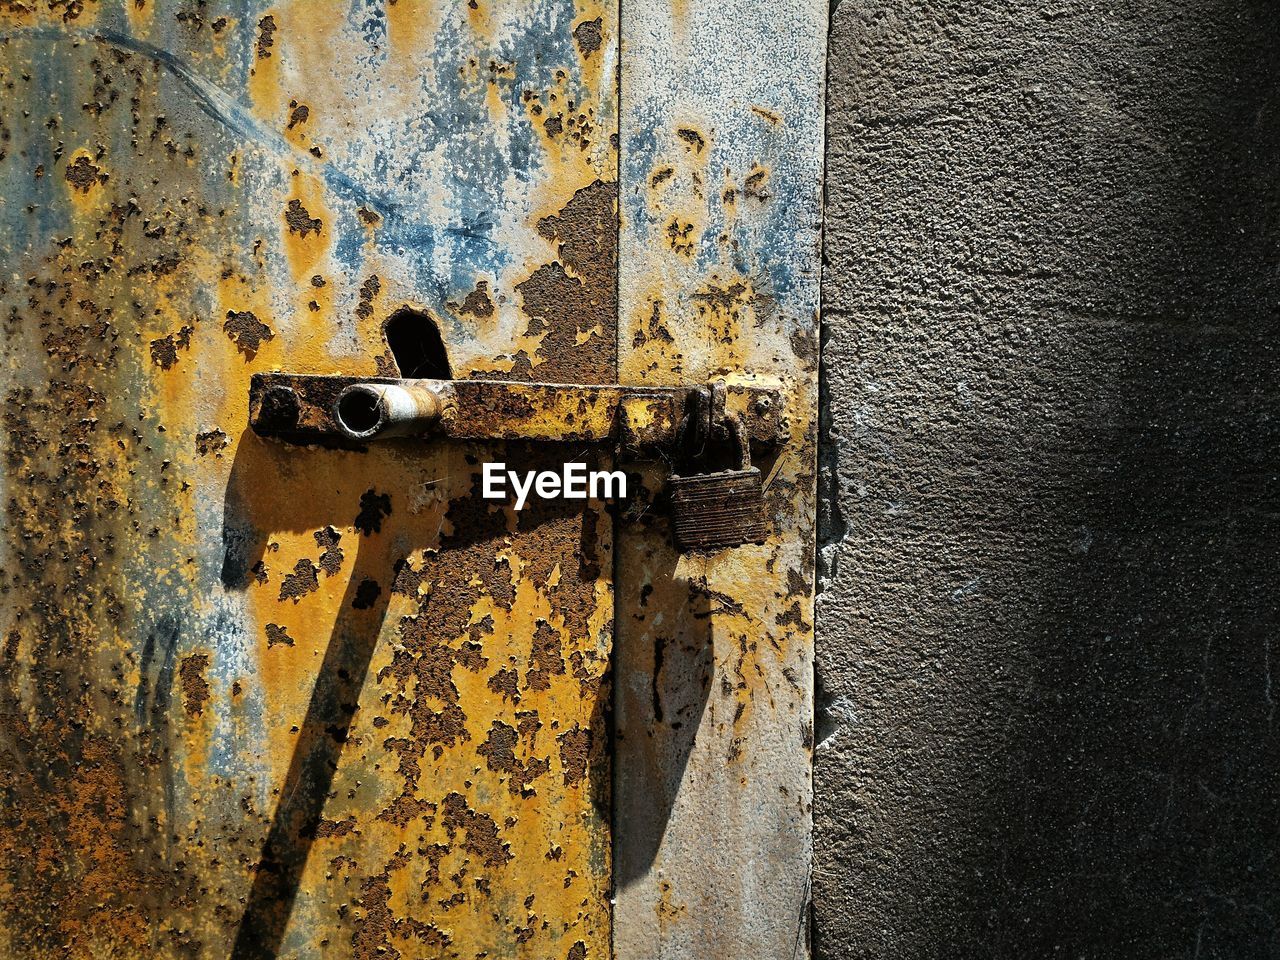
257	699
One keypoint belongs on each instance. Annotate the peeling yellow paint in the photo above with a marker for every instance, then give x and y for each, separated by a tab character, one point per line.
186	617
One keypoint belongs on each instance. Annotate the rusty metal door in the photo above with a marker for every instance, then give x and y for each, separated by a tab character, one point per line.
261	699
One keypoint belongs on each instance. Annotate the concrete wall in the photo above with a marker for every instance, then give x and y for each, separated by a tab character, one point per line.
1049	665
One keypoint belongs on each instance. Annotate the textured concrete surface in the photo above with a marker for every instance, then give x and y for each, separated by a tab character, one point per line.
1048	676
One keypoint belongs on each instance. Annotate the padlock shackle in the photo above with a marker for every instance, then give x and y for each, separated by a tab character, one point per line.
706	423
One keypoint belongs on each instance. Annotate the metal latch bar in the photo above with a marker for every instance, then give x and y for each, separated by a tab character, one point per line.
346	411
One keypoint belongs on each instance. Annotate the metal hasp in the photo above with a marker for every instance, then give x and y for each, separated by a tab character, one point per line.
643	421
714	503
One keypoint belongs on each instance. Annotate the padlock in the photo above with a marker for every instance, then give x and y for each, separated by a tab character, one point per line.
723	508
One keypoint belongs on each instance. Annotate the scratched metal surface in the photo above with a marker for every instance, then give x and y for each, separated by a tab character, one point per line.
721	132
236	676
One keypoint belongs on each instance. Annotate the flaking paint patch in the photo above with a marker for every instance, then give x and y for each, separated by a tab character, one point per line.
306	237
572	301
83	174
331	558
246	331
589	36
195	688
477	303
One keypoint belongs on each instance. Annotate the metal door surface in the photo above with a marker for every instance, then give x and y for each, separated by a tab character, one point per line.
264	700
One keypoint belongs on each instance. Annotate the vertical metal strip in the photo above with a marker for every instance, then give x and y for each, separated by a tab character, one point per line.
720	200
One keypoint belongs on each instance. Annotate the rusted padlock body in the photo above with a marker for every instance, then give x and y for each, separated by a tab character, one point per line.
711	511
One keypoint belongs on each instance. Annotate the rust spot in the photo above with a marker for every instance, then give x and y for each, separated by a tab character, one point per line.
693	138
331	559
430	664
369	217
583	229
195	689
470	655
660	176
590	36
754	185
477	302
82	174
259	571
368	290
500	754
266	36
164	351
300	220
804	344
680	237
211	441
792	616
546	659
501	584
302	581
480	831
374	933
575	298
589	680
553	538
726	299
577	952
246	331
407	580
298	113
575	754
70	9
655	329
278	636
326	829
507	683
404	810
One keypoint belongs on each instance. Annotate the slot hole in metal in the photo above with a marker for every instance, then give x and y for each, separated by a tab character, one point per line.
416	345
